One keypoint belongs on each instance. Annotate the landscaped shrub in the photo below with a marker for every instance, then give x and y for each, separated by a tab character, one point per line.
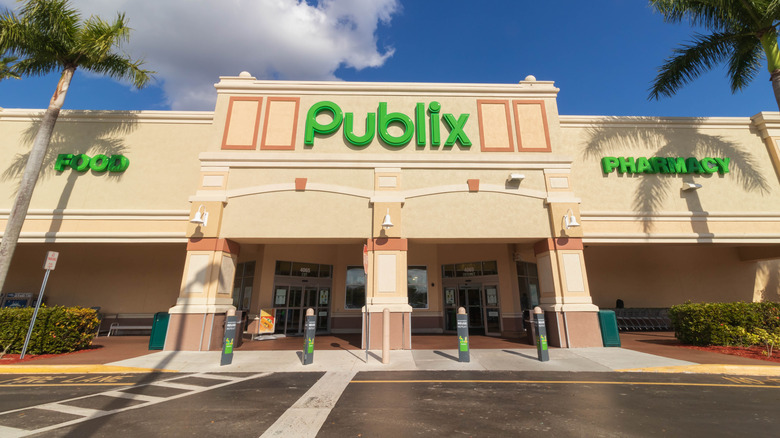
723	323
57	329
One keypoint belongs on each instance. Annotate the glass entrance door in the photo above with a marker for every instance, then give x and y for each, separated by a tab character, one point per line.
481	304
291	302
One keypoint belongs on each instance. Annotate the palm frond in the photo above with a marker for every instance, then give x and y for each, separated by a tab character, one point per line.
744	62
690	61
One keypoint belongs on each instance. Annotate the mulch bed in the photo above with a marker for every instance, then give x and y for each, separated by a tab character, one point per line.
10	359
754	352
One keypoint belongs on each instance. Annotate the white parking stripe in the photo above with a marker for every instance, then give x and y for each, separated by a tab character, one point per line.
192	389
12	432
73	410
307	415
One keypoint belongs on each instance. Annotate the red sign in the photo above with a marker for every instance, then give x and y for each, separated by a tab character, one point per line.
365	259
51	260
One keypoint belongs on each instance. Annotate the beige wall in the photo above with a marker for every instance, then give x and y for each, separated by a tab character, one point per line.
120	278
665	275
162	148
740	205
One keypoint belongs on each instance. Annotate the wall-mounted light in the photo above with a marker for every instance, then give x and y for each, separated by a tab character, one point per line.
569	220
201	217
387	223
690	186
515	177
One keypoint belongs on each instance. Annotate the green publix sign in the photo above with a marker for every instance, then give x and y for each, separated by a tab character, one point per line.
98	163
379	122
665	165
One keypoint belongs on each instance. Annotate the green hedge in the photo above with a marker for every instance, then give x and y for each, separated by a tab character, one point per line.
723	323
57	329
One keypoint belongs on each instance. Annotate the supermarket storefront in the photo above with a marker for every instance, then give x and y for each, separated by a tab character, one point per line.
352	198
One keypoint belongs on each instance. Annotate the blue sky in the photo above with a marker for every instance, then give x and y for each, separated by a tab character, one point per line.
602	55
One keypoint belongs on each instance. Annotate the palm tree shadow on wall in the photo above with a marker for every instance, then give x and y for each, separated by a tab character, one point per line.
655	140
103	137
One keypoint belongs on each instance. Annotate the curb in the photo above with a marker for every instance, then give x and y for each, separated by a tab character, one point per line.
77	369
737	370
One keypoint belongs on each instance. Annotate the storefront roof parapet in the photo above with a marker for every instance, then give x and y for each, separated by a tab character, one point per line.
87	116
657	122
243	85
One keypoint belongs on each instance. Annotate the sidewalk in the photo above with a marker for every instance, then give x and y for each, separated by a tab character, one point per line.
641	351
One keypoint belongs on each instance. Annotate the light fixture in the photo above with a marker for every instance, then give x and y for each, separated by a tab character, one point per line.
201	218
387	223
515	177
690	186
569	220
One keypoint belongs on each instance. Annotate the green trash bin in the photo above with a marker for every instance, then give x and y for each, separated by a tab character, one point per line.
159	330
609	329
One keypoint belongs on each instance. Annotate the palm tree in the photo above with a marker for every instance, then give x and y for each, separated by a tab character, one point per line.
742	32
5	68
48	36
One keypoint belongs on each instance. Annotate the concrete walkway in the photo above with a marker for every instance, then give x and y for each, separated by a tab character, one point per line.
641	352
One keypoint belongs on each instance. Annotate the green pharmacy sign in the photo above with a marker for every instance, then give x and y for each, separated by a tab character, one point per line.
665	165
379	123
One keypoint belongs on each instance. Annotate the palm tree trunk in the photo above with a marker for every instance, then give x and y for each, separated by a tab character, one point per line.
775	78
30	177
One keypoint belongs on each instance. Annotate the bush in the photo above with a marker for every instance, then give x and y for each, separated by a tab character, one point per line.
57	329
723	323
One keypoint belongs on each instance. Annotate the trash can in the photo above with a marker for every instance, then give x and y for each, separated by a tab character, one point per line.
159	330
609	329
528	325
240	315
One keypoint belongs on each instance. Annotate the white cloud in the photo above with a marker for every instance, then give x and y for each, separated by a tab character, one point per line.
190	43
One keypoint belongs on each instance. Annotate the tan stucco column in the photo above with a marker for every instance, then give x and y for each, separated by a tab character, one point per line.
196	321
386	283
572	319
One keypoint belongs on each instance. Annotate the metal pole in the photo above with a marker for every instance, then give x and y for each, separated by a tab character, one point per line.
368	333
386	335
35	314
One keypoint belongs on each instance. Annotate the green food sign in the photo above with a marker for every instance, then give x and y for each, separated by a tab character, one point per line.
379	123
665	165
98	163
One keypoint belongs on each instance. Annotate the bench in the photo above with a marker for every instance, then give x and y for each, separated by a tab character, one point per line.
130	322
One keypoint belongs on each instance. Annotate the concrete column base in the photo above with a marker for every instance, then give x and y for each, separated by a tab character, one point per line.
573	329
400	329
195	332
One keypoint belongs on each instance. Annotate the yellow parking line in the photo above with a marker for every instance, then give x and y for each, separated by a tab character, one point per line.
574	382
75	369
25	385
737	370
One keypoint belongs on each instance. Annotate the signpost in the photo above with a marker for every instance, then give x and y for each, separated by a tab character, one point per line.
48	265
308	337
227	343
541	335
463	336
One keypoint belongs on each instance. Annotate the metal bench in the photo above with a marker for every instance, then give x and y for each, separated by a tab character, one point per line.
136	322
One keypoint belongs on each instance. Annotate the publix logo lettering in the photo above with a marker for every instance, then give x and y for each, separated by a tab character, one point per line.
98	163
423	126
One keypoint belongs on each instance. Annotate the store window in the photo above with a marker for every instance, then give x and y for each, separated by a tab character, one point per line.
356	288
242	285
298	269
417	286
528	282
473	269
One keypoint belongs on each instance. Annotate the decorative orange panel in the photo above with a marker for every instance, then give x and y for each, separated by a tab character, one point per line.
495	126
281	123
243	119
533	134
